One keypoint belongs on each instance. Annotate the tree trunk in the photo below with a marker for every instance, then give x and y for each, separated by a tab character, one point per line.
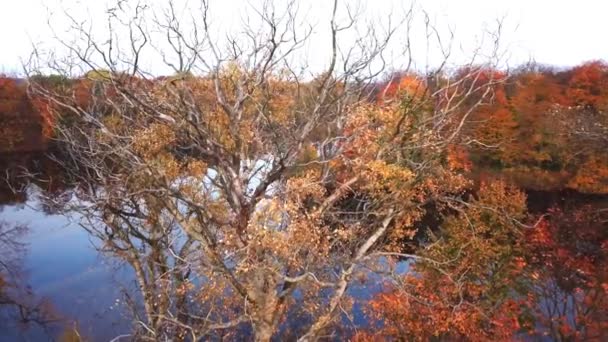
263	331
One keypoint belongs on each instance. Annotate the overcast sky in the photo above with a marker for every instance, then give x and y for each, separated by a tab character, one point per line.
558	32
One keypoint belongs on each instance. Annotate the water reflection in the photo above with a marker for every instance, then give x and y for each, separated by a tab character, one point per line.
126	289
54	284
20	308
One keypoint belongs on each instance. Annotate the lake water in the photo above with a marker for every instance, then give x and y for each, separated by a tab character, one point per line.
58	263
54	281
59	280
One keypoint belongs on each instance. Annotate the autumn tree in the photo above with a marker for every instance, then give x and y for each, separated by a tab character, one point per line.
534	95
587	85
463	283
244	193
545	129
14	111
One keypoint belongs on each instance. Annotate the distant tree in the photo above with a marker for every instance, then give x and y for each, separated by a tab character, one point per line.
588	85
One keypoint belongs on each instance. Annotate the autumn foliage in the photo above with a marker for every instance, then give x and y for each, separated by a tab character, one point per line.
546	280
545	129
461	285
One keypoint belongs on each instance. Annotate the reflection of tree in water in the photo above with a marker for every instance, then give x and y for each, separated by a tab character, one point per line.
160	259
19	306
569	256
165	269
19	172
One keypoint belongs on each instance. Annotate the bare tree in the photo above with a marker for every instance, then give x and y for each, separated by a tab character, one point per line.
243	191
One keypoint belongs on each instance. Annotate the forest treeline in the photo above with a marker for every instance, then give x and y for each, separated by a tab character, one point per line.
545	128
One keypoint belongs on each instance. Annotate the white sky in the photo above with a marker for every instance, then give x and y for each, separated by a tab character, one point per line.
558	32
